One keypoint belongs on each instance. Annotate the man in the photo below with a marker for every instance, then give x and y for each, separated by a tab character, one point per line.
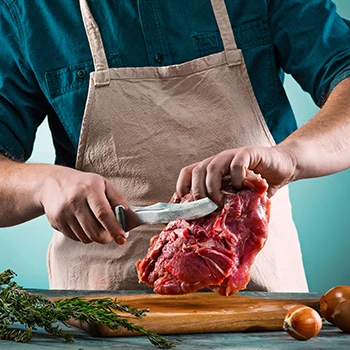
192	104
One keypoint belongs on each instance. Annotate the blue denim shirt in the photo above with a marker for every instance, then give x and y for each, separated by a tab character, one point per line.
45	59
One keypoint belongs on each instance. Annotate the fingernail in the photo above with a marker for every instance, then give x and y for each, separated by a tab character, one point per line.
222	202
121	240
126	235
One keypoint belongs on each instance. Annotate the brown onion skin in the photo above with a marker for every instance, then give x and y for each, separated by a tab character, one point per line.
341	316
302	322
331	299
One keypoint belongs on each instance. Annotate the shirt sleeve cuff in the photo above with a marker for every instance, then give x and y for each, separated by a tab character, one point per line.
6	153
341	75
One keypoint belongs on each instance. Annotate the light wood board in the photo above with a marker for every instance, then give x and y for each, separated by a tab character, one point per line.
200	313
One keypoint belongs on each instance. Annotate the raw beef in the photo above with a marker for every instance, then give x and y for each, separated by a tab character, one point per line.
216	251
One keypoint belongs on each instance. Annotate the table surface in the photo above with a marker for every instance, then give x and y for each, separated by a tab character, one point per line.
330	336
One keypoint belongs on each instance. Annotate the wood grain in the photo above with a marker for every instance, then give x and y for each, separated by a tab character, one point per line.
200	313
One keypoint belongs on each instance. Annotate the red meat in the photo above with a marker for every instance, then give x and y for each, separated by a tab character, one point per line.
216	251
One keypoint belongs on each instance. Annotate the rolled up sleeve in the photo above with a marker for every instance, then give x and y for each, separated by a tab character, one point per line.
312	44
22	104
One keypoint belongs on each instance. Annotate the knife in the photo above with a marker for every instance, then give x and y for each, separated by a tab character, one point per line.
163	213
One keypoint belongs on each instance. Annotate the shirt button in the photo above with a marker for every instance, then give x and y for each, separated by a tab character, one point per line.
159	58
81	73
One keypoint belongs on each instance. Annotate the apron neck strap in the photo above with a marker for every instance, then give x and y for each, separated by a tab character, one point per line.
97	48
225	28
94	37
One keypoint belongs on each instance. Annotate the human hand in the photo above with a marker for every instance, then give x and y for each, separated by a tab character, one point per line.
80	206
276	164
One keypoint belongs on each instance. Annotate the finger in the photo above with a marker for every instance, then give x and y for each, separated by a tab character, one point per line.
271	191
68	232
238	171
216	170
184	181
91	227
240	164
101	207
199	174
77	230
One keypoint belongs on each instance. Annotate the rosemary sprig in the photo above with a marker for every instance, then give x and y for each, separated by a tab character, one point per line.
35	310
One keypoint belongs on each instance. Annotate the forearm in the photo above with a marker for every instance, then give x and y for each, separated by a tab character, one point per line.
19	191
322	146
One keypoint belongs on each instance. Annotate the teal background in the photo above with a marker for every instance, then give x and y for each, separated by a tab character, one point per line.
320	209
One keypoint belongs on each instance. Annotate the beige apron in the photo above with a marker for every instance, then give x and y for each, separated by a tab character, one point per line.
140	127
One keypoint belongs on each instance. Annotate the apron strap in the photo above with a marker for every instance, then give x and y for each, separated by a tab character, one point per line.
99	55
102	76
226	32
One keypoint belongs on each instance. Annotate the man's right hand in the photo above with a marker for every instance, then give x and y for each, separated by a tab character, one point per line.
80	206
76	203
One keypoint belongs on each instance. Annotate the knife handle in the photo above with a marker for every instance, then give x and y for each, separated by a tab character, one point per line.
120	215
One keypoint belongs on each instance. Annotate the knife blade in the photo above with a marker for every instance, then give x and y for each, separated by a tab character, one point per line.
163	213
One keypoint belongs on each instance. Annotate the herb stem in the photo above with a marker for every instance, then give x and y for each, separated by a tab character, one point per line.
35	310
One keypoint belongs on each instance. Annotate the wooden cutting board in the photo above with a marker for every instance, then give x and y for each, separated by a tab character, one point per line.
200	313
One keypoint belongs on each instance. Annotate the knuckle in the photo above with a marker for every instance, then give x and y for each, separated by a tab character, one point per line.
189	168
198	170
82	188
213	167
55	222
245	149
101	214
55	211
186	170
93	179
55	225
72	201
88	182
224	153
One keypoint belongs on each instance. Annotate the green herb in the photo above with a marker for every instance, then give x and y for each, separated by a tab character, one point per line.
35	310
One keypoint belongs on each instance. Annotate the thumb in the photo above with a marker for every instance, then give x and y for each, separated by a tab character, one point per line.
272	190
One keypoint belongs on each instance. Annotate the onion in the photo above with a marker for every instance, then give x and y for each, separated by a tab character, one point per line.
341	316
331	299
302	322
